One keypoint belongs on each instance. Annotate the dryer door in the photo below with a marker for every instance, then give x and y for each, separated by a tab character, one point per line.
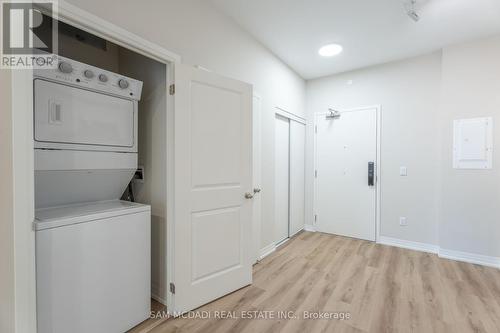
73	118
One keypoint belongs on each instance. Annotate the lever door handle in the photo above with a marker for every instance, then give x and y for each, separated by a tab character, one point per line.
248	195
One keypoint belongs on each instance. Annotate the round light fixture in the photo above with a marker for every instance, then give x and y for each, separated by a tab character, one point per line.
330	50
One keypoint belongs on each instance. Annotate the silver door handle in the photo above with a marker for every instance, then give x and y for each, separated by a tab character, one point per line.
248	195
371	173
256	190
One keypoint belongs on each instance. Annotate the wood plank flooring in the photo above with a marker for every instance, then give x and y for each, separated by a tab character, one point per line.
381	288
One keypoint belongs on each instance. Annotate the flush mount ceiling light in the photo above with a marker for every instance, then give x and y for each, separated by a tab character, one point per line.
330	50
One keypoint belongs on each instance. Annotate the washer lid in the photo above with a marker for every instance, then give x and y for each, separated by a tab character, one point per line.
46	218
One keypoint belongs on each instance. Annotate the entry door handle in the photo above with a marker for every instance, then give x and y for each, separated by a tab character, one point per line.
371	173
248	195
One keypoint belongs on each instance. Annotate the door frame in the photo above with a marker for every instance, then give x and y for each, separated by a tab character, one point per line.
23	157
378	165
286	114
257	161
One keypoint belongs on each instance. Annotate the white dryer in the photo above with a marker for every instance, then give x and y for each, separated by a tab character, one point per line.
85	133
92	250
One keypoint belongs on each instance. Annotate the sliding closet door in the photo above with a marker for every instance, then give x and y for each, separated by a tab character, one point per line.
297	176
282	168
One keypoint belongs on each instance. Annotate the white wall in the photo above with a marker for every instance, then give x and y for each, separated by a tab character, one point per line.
203	36
456	210
408	92
470	216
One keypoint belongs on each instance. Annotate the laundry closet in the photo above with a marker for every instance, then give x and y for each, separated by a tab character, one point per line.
289	152
100	219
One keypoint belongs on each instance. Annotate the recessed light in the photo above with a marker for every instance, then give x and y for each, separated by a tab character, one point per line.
330	50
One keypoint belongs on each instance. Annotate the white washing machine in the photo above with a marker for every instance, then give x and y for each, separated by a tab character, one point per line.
92	250
93	267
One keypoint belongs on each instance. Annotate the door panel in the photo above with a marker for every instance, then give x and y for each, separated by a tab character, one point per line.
282	178
345	203
214	252
297	176
215	145
213	171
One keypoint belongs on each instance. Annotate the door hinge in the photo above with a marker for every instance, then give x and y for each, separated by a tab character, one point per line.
171	89
172	288
315	173
315	128
315	218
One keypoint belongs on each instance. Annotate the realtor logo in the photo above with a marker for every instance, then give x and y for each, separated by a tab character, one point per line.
29	34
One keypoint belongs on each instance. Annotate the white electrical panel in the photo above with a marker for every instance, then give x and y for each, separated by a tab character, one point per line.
473	143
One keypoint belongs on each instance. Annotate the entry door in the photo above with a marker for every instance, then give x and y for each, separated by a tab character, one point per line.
345	200
213	176
282	178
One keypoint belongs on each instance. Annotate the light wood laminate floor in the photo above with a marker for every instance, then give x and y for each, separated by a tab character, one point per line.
383	288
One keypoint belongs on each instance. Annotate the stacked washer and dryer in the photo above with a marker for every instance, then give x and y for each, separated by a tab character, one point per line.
92	249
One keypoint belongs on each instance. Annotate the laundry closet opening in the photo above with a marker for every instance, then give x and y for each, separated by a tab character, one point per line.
100	132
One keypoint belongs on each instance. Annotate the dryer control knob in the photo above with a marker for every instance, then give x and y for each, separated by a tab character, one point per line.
88	74
65	67
123	83
103	78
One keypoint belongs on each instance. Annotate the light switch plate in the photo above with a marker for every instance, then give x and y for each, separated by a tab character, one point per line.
403	171
402	221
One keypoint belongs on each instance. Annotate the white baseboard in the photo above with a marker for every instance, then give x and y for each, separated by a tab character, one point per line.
267	250
309	227
405	244
296	232
442	253
472	258
158	298
281	243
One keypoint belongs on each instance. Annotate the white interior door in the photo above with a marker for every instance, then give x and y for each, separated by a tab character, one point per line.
212	239
257	175
297	176
345	202
282	178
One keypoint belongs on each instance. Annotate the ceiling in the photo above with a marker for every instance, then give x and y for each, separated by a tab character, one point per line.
371	31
